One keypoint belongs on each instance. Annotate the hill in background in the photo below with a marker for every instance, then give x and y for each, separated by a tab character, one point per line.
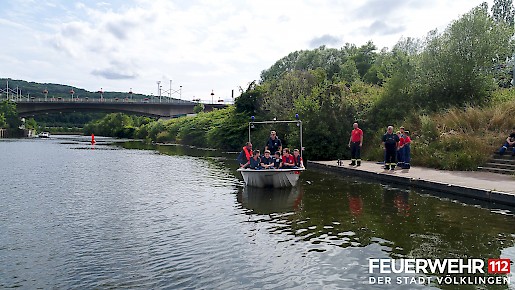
36	90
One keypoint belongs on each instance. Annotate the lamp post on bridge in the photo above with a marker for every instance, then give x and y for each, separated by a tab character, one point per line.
159	90
171	91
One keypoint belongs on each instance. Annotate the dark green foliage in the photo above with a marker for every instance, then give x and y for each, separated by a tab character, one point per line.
9	115
116	125
70	119
502	11
334	62
198	108
249	102
456	67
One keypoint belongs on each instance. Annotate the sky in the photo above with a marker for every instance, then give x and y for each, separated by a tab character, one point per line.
198	46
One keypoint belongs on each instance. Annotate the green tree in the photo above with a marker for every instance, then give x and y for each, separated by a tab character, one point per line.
198	108
364	59
3	122
503	10
250	100
456	67
11	119
30	123
349	72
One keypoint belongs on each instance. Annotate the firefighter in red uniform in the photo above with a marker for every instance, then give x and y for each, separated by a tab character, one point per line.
355	144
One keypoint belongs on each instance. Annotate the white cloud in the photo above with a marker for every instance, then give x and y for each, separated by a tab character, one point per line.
203	45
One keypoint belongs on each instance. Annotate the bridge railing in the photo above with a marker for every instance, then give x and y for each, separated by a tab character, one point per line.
98	100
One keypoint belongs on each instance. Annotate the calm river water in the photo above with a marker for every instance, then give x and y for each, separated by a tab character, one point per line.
73	215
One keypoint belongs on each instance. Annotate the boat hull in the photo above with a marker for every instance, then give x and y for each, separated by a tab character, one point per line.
276	178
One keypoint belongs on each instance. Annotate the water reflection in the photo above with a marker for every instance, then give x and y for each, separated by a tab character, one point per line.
339	213
327	212
270	200
179	217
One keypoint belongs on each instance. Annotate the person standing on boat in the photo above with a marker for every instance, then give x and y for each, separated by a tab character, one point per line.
390	145
355	144
288	161
245	154
273	143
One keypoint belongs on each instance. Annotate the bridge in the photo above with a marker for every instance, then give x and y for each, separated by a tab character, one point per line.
165	108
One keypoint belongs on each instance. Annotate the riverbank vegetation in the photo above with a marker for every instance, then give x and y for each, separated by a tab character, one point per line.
8	115
452	90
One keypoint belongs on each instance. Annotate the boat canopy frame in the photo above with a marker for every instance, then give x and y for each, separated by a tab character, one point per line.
299	124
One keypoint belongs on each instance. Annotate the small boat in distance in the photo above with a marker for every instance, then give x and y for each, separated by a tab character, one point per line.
276	178
44	135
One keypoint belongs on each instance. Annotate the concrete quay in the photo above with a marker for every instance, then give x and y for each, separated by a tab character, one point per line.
487	186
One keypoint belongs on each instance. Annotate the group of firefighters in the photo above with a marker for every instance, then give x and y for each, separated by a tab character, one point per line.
396	146
397	151
252	159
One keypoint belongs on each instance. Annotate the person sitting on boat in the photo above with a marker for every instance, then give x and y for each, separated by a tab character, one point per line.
273	143
278	162
298	159
245	154
267	161
255	161
288	161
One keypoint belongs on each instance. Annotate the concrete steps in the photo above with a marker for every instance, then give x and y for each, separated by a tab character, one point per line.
503	164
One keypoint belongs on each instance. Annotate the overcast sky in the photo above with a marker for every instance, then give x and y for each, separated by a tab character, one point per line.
203	45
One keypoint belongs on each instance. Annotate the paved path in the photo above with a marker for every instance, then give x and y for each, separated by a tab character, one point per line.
477	184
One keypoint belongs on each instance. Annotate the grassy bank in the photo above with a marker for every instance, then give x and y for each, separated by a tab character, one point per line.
458	138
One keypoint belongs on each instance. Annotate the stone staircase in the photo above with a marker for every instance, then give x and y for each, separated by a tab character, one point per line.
504	164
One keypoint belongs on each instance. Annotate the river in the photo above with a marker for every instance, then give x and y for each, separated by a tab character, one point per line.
111	215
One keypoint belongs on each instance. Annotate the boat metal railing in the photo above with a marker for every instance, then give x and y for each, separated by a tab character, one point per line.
297	121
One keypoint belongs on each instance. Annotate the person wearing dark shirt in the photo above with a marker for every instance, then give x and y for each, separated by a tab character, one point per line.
278	162
245	154
254	162
390	145
510	142
267	161
298	159
287	159
273	143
